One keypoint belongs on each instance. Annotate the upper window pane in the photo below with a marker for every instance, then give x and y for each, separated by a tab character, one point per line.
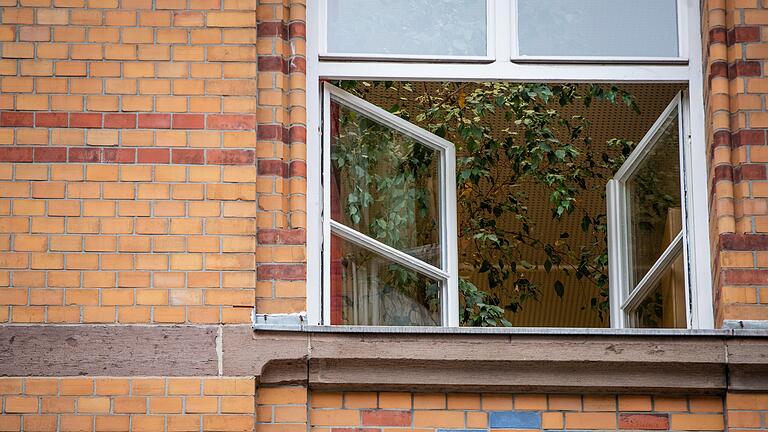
431	28
598	28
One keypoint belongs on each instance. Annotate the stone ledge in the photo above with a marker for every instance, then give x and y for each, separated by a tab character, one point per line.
710	362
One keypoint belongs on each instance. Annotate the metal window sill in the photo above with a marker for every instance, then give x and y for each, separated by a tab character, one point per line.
297	323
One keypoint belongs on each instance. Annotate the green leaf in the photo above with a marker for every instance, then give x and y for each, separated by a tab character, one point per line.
559	288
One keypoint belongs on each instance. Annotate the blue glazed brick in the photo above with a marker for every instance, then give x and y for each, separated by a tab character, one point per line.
515	419
461	430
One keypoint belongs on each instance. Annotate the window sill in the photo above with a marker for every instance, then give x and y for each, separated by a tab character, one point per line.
296	323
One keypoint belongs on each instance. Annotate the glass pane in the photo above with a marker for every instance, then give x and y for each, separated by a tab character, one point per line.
368	289
665	306
653	195
599	28
407	27
385	185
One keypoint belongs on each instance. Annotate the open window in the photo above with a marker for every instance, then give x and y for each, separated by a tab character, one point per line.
405	236
390	239
647	228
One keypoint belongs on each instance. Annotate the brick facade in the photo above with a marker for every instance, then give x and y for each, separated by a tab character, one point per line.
153	172
470	411
735	86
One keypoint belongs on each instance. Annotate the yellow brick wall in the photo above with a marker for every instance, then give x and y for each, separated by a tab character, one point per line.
135	186
372	411
747	411
237	404
127	403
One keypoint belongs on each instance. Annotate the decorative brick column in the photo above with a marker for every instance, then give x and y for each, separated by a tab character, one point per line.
735	49
281	150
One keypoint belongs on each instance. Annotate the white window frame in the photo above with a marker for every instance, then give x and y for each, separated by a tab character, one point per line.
490	44
626	298
682	45
502	69
448	273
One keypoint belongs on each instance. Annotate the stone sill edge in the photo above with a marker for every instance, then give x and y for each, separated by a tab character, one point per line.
297	323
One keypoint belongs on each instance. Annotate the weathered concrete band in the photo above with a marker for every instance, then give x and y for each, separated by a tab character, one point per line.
698	363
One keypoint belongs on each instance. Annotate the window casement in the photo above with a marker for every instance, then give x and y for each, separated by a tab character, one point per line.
657	260
380	274
647	230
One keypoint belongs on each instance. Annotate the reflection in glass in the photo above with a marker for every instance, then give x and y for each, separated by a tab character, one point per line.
385	185
368	289
598	28
665	305
653	197
407	27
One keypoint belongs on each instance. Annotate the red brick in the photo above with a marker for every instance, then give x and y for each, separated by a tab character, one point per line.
297	64
85	120
230	157
154	121
272	167
188	156
298	169
743	242
231	122
51	119
297	134
281	236
644	421
297	30
722	138
16	154
272	29
718	69
120	155
744	34
162	156
748	137
16	119
282	272
386	418
723	172
744	277
120	121
84	155
270	132
50	154
272	64
749	172
744	68
188	121
717	35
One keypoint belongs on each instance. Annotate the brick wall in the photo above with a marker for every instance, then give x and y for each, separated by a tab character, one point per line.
136	188
389	411
122	404
128	162
747	411
736	46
